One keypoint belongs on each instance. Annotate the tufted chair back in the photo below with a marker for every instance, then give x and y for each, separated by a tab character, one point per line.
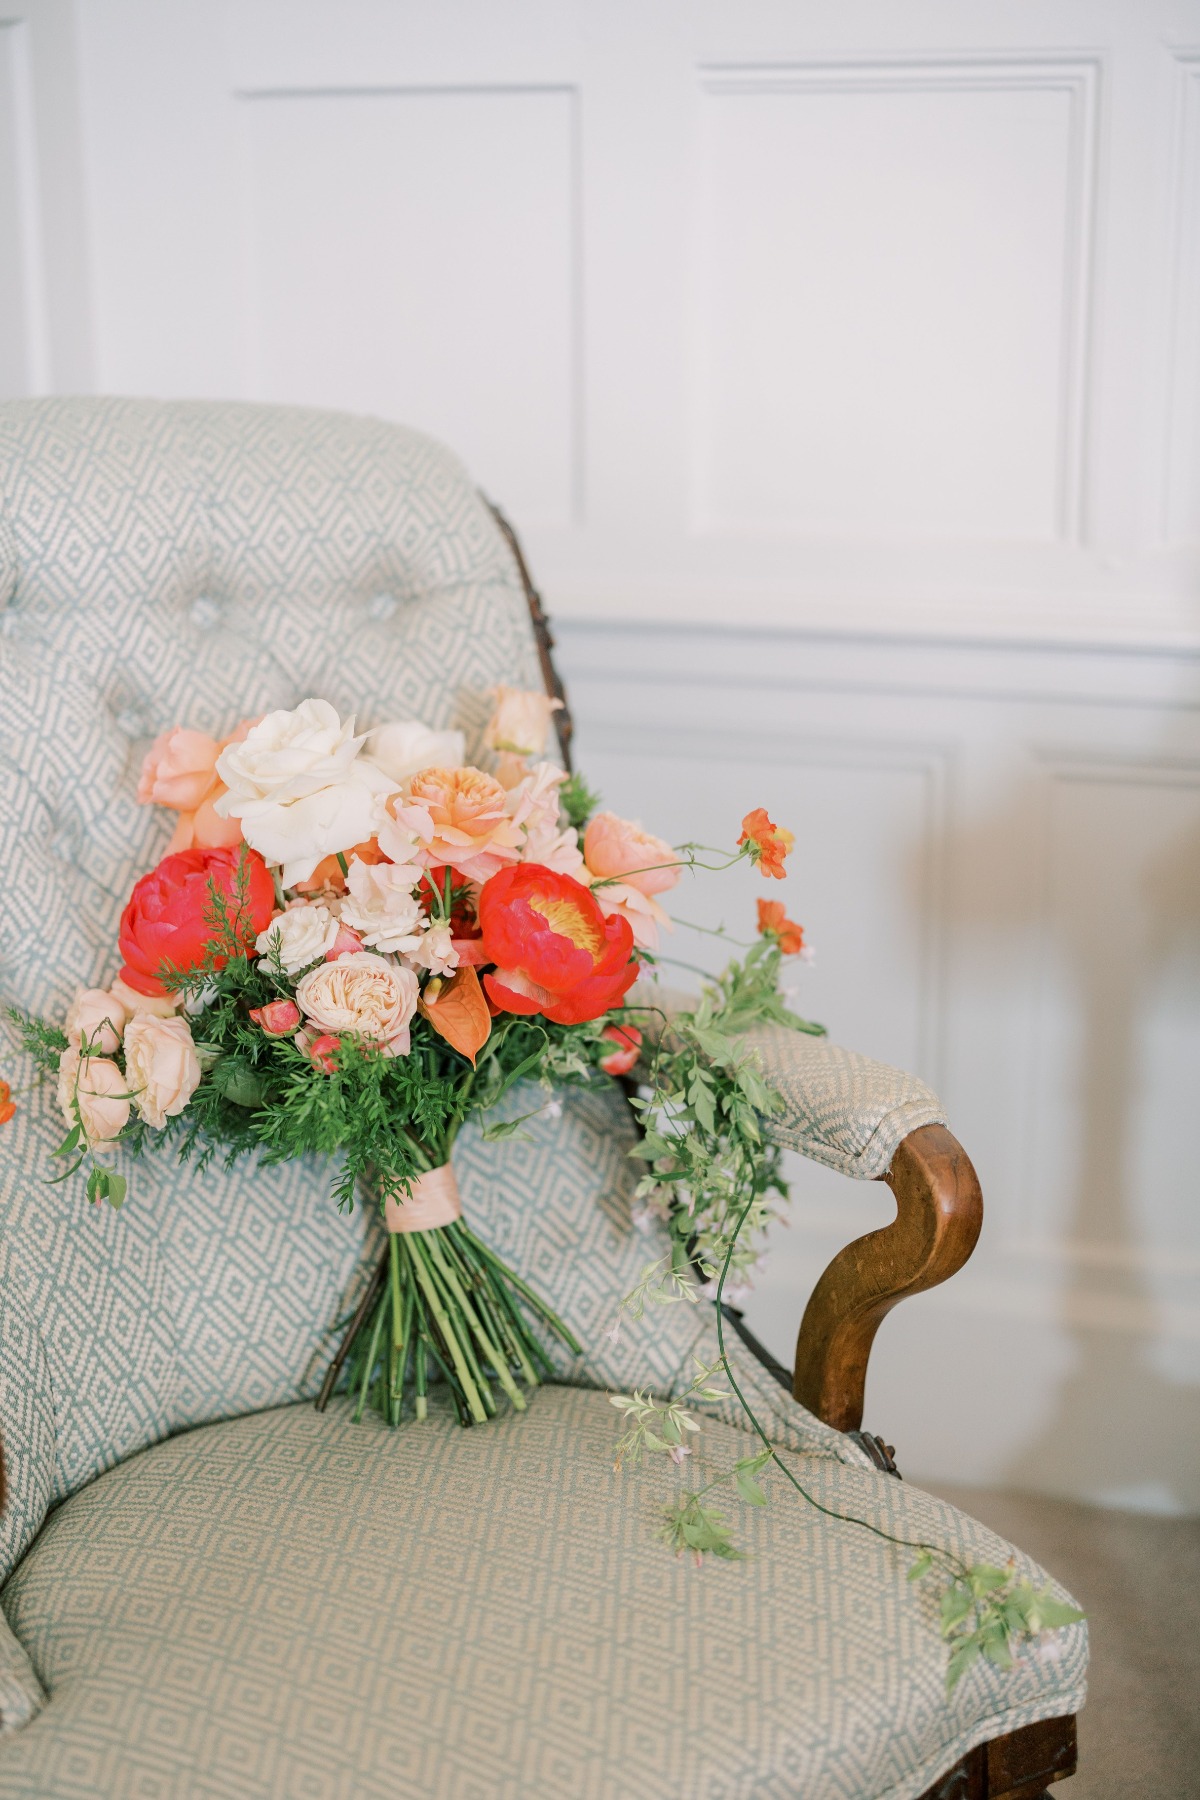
191	563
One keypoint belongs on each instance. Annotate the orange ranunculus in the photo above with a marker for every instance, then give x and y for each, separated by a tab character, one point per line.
555	951
328	872
773	922
8	1106
461	818
459	1013
769	843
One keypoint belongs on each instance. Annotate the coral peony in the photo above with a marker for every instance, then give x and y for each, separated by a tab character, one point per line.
167	920
768	843
555	951
628	1041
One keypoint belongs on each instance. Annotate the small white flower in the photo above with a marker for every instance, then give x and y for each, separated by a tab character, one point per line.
382	907
677	1452
435	949
613	1334
303	934
553	1108
196	1003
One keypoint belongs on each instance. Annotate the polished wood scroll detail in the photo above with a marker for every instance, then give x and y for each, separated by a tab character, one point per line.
939	1211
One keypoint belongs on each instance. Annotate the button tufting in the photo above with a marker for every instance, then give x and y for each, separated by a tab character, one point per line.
205	612
382	606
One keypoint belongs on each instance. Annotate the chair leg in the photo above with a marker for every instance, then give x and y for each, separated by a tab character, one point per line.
1018	1766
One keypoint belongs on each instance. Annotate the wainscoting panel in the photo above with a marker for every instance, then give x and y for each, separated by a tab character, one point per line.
414	253
23	346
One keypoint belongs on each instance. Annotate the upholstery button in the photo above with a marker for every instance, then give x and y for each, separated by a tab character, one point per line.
382	606
205	612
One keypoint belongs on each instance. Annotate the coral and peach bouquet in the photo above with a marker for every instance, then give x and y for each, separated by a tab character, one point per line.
355	942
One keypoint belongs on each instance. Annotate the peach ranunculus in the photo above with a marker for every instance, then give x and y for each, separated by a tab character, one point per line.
361	993
618	850
97	1017
98	1089
162	1070
461	819
520	721
179	771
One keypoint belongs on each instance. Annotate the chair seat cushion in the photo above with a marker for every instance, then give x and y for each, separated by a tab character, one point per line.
299	1606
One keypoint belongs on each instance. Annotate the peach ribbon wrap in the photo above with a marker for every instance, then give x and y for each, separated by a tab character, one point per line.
434	1201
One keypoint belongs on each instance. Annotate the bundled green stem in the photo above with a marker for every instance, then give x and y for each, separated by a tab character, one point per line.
442	1301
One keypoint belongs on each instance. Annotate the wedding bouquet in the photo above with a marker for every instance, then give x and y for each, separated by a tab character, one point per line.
355	942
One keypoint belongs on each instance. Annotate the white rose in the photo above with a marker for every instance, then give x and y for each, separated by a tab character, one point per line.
402	749
161	1067
100	1091
435	951
361	993
303	934
520	723
300	788
98	1017
381	906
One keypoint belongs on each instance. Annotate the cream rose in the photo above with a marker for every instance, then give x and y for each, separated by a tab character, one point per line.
402	749
361	993
101	1093
97	1017
303	935
160	1006
162	1069
520	722
381	907
300	788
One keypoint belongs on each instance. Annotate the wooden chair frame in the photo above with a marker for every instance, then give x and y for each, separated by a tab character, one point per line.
939	1212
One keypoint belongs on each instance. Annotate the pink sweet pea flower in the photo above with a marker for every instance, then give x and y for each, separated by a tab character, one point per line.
344	944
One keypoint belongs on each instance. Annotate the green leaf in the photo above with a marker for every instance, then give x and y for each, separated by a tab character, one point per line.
956	1604
960	1660
117	1186
69	1143
985	1578
921	1566
97	1184
749	1489
508	1128
1054	1614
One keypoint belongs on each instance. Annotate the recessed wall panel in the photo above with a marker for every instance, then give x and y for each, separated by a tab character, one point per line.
890	301
412	254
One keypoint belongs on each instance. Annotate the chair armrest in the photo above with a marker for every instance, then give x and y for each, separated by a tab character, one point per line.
939	1212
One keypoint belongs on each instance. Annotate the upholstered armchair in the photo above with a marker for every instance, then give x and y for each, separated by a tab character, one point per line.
210	1588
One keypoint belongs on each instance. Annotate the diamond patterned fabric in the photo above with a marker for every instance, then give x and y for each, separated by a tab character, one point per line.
196	563
291	1605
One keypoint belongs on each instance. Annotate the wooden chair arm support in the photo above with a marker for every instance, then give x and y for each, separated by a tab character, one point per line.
939	1211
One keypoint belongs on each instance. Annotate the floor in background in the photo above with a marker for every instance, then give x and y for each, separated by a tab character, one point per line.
1138	1579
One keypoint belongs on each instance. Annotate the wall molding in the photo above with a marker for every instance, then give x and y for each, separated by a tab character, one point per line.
1078	75
1182	361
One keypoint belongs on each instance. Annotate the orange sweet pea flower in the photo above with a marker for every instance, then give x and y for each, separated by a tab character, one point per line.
773	922
769	843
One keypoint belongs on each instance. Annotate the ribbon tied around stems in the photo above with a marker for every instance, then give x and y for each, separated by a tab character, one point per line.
433	1201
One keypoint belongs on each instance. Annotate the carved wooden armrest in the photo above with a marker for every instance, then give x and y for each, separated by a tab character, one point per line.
939	1211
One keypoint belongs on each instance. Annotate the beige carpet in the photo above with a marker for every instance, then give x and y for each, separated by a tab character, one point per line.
1139	1580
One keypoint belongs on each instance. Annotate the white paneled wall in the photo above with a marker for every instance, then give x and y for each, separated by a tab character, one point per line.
841	366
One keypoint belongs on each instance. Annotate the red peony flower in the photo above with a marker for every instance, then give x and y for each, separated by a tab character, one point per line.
555	951
164	920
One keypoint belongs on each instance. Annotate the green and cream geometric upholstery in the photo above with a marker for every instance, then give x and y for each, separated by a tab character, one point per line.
280	1603
294	1605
